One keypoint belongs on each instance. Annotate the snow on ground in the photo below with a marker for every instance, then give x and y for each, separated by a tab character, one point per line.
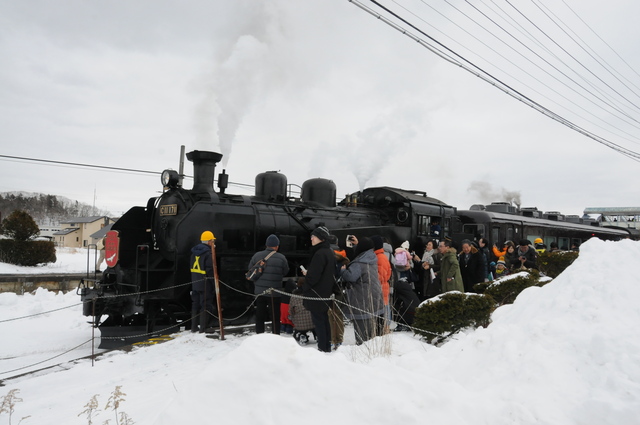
566	353
68	260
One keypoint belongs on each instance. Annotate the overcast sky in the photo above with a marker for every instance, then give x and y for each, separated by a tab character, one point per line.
321	88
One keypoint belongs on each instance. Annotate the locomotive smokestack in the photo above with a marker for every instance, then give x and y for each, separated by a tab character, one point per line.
204	167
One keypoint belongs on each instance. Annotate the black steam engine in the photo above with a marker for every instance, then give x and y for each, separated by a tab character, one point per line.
146	285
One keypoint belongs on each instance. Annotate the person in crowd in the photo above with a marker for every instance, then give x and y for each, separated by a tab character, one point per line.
553	247
501	268
384	275
471	265
434	287
202	283
405	303
508	252
364	292
286	325
525	257
483	247
300	317
403	261
319	283
539	245
336	315
449	274
101	249
434	229
575	246
275	268
426	263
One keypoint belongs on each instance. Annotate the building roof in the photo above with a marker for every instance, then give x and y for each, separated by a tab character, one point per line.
66	231
102	232
86	219
613	210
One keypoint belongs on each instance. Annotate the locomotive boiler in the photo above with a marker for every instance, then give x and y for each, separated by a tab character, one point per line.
146	285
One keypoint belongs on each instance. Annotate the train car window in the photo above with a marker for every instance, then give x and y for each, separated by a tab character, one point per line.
532	238
510	234
548	240
474	229
563	244
423	225
576	241
495	235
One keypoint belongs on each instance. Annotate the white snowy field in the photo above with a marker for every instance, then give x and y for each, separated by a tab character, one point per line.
567	353
68	260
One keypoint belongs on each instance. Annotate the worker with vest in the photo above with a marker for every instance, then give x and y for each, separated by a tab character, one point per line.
202	295
539	245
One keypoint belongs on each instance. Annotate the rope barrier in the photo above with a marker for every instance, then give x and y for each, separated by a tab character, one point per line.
46	360
39	314
254	296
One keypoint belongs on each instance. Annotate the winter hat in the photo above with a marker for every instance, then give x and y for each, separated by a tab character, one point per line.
321	233
377	242
502	262
364	244
405	245
524	242
272	241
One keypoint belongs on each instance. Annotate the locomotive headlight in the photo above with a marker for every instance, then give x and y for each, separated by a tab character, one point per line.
170	179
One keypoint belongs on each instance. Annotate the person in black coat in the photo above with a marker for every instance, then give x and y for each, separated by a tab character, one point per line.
318	283
526	257
202	282
275	269
471	265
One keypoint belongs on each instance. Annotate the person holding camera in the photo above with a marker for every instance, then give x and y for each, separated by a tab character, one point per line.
526	256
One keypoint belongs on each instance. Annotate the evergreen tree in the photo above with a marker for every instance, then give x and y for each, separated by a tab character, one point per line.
19	226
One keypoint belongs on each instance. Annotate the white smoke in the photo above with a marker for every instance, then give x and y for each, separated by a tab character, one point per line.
381	141
244	71
488	194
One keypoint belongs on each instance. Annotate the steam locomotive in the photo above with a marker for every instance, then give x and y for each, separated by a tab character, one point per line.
146	285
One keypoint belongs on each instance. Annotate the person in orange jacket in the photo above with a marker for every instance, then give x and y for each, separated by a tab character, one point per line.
384	274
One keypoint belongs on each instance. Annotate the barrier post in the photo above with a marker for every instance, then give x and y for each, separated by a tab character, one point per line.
217	284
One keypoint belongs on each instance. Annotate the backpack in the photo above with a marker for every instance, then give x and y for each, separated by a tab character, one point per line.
401	258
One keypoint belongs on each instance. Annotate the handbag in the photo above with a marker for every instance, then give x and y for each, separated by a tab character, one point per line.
255	272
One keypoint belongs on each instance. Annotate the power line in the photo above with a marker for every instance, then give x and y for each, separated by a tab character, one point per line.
487	77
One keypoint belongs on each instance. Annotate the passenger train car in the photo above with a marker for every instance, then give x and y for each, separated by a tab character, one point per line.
500	221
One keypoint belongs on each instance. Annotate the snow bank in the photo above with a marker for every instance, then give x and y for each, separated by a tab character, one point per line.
567	353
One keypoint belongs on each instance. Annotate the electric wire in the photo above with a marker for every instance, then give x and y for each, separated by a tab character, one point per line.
614	129
487	77
570	55
564	74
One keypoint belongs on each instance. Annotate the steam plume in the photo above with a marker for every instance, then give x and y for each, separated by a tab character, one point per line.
488	194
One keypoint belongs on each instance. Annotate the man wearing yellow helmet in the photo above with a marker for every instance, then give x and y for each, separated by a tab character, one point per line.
202	283
539	245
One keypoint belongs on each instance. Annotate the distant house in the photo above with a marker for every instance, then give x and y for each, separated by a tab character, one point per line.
78	232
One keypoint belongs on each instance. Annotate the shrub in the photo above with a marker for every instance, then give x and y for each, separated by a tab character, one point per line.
440	317
27	253
20	226
505	290
554	263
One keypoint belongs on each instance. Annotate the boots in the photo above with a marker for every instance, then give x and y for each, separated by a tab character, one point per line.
194	321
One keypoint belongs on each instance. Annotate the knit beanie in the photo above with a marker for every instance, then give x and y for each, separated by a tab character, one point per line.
272	241
377	242
364	244
321	233
405	245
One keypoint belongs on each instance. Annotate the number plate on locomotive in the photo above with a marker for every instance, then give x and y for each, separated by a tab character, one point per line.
168	209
